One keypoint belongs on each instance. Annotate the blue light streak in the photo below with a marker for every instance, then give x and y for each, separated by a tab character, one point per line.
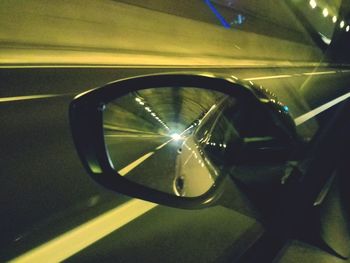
217	14
240	19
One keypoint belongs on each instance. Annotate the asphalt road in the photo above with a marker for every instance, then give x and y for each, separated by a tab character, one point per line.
137	158
125	149
45	191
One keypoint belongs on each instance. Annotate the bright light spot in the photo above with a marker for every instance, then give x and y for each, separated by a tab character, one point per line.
142	103
138	99
334	19
224	145
153	114
342	24
148	109
285	108
347	28
313	4
176	136
325	39
325	12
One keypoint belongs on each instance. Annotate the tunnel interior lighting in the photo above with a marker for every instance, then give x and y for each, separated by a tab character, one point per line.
148	109
347	28
342	24
334	19
325	12
313	4
140	101
176	136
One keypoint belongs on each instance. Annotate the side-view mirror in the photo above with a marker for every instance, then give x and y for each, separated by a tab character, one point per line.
173	138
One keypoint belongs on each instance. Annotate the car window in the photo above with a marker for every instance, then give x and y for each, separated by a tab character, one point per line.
51	51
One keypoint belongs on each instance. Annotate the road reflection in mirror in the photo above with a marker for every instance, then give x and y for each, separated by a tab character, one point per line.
170	139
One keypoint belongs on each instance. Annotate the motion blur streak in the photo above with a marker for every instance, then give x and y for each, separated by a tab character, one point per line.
131	136
270	77
81	237
77	239
319	73
30	97
303	118
289	76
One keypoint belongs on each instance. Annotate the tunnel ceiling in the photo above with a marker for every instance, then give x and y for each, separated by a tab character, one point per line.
179	106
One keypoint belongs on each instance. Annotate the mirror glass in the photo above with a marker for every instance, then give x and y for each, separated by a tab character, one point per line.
171	139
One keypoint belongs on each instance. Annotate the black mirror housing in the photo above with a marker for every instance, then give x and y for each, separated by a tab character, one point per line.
86	119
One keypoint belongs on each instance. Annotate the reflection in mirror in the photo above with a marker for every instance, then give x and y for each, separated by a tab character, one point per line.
163	138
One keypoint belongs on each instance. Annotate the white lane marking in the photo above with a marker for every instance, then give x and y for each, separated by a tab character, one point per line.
31	97
319	73
75	240
162	145
269	77
131	166
305	117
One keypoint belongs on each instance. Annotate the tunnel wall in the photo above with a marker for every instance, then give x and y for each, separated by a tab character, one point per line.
111	33
118	120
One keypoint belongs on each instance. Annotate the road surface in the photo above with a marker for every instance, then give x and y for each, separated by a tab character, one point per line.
45	192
